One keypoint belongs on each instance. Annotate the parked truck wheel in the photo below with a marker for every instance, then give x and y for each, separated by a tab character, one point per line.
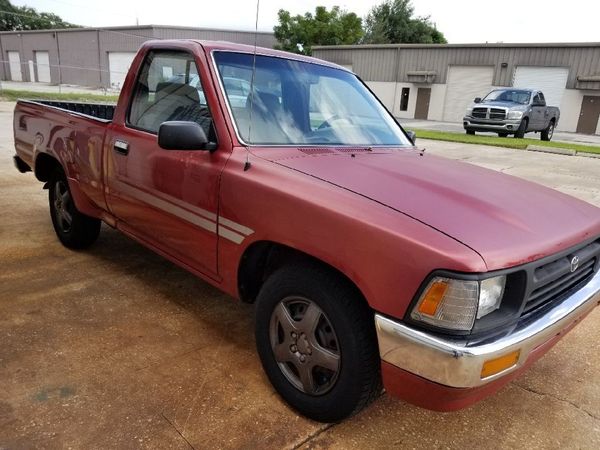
316	339
74	229
520	133
547	134
502	134
470	132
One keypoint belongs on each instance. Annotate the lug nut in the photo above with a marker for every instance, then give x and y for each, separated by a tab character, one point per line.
293	348
302	358
294	335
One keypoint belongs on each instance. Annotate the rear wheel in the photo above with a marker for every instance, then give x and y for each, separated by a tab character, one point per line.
520	133
74	229
547	134
470	132
316	339
502	134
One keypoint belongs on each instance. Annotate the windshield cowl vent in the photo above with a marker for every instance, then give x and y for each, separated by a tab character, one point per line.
328	150
315	150
353	149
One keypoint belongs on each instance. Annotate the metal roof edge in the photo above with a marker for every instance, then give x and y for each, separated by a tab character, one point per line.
131	28
443	46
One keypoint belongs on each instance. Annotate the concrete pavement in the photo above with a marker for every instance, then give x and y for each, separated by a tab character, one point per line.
115	347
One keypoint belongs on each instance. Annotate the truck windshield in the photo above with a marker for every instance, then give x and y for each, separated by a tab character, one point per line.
512	96
295	103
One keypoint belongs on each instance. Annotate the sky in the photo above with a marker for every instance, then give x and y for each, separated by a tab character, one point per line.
461	21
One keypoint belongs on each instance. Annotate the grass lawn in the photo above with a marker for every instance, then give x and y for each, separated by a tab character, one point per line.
9	95
509	142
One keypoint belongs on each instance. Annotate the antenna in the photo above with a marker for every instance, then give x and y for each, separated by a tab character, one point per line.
247	164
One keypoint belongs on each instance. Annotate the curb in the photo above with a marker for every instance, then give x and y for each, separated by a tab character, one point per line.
555	150
588	155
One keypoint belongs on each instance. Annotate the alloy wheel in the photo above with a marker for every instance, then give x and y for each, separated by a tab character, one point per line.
305	345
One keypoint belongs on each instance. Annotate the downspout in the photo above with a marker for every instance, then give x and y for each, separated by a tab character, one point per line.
396	81
56	34
99	60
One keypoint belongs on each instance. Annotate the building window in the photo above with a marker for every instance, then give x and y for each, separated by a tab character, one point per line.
404	99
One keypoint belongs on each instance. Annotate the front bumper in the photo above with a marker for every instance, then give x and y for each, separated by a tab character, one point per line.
458	364
504	126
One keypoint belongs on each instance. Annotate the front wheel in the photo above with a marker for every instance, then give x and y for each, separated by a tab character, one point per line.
502	134
471	132
520	133
74	229
547	134
316	339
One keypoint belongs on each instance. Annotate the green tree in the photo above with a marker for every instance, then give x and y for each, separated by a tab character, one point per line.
392	22
16	18
299	33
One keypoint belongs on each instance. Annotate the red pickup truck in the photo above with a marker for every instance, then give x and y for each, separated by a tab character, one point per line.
283	181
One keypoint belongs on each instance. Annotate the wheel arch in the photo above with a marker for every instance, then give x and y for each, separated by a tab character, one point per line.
262	258
44	166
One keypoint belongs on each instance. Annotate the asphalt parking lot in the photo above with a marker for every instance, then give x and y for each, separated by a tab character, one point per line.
115	347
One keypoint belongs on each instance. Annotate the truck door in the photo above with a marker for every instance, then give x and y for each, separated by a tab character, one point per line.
167	198
538	108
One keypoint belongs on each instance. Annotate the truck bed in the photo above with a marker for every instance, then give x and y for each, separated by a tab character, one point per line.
103	111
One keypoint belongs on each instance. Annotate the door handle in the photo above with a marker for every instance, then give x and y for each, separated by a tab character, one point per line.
121	147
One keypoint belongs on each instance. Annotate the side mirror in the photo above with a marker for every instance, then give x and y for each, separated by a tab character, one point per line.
180	135
477	100
412	136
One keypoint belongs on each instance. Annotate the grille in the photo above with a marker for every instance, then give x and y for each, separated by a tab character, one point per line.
480	113
555	280
497	114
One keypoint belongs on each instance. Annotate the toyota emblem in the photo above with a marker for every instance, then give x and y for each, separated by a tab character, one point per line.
574	263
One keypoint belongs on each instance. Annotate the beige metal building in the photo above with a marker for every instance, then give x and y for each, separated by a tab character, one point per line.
438	82
95	57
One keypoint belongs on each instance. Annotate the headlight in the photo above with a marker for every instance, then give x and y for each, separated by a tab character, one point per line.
490	295
515	115
455	304
469	111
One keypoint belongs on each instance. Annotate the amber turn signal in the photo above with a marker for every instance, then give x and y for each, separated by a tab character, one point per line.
433	298
497	365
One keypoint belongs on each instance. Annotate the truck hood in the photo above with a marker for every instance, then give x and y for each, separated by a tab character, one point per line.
494	104
507	220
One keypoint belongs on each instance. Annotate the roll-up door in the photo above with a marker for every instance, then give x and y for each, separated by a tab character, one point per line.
14	62
463	84
42	61
552	81
118	65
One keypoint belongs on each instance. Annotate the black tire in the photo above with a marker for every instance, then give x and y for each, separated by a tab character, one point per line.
471	132
520	133
354	379
502	134
74	229
547	134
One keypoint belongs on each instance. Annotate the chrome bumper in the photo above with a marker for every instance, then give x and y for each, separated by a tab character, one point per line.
507	126
459	364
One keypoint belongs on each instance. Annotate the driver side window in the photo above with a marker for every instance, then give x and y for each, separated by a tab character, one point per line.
169	88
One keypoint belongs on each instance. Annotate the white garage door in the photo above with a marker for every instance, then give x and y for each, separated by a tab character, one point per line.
43	67
552	81
463	84
118	65
14	62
